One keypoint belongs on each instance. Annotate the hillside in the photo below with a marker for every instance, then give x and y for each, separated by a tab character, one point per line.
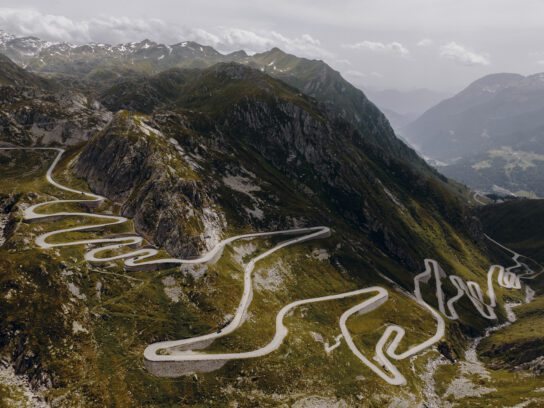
35	110
13	75
297	136
94	68
517	223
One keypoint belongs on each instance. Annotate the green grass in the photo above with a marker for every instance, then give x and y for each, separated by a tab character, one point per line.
123	312
518	224
519	343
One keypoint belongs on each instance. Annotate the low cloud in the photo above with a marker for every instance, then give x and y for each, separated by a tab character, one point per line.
113	30
425	42
29	22
459	53
253	41
394	48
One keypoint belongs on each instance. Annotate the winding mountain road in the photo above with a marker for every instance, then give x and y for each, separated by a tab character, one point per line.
183	351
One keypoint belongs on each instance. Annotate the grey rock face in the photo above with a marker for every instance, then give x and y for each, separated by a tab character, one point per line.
144	175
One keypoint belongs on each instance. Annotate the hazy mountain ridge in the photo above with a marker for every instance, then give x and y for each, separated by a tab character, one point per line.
35	53
490	133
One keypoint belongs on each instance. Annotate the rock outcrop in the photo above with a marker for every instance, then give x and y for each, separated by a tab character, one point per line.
131	163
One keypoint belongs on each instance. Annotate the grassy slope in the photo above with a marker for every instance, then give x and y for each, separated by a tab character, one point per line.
127	311
134	305
518	224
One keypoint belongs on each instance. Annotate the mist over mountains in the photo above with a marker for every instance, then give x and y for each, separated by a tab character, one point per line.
411	103
490	134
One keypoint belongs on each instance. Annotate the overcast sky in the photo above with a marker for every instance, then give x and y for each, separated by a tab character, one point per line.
402	44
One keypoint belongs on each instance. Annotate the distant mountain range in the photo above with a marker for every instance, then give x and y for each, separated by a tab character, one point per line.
403	107
490	135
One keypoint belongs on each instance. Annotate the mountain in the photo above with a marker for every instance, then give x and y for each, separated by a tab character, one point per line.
489	134
13	75
82	59
22	49
242	104
36	110
230	168
97	67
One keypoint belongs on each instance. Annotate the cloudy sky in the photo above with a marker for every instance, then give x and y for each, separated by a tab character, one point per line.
403	44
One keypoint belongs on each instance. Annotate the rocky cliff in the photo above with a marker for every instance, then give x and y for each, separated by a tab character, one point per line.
132	163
